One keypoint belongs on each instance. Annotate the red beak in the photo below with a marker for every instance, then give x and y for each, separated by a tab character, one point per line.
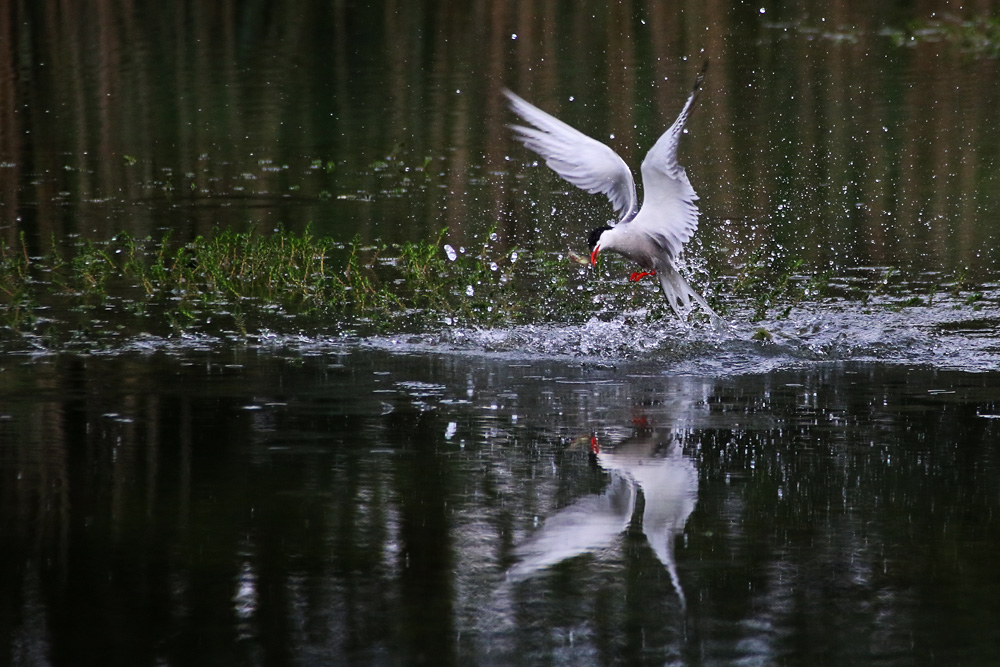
593	254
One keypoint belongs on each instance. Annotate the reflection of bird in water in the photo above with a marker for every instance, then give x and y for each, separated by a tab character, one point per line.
668	481
591	523
651	236
669	484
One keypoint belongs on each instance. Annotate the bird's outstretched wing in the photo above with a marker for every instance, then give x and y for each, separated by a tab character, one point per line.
669	213
586	163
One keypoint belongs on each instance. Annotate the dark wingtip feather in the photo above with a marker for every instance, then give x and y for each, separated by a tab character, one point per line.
700	79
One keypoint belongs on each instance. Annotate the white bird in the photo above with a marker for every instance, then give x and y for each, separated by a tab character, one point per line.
651	236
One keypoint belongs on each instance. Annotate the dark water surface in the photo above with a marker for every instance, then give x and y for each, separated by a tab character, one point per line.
246	508
816	485
850	134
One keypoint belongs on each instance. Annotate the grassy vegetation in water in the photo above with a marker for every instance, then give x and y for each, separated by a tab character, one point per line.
980	35
237	283
240	281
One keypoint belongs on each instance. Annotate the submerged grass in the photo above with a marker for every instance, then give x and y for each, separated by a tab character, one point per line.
243	280
978	35
236	283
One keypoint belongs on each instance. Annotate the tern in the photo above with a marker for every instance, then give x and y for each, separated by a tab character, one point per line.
651	236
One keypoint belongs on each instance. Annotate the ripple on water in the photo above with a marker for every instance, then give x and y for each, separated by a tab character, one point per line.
940	336
949	334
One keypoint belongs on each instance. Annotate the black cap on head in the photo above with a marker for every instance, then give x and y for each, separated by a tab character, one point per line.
595	236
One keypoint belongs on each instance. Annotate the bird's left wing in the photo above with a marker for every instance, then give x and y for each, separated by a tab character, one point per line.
669	213
586	163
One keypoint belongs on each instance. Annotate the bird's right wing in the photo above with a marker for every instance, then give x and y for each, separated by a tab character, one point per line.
669	213
586	163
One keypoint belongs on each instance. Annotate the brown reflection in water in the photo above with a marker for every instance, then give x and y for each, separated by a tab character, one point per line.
884	149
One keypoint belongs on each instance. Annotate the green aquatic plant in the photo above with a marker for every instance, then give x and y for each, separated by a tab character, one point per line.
14	265
770	279
17	302
247	277
978	35
238	283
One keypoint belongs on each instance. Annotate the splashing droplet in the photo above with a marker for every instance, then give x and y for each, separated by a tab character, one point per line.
448	250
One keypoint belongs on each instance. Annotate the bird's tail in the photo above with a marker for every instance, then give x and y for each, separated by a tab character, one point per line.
682	297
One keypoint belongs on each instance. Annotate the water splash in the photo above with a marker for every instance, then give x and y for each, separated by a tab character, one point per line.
945	335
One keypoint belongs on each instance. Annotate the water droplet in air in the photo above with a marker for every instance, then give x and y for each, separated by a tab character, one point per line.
493	266
448	250
469	291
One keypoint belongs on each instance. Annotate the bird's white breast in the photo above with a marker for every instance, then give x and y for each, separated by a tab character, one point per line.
632	243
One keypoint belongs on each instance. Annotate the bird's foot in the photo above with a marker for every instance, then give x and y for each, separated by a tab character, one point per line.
639	275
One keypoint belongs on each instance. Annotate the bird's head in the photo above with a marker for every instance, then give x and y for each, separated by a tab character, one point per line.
594	240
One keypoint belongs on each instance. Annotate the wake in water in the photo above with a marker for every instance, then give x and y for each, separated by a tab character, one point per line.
946	335
949	330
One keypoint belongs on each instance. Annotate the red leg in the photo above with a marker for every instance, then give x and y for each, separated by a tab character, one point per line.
639	276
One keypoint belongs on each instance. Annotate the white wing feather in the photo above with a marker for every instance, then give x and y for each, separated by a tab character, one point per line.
586	163
669	214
